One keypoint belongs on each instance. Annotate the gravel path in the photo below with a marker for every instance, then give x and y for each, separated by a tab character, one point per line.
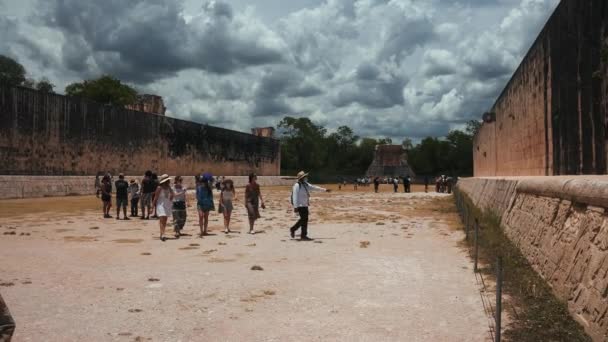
382	267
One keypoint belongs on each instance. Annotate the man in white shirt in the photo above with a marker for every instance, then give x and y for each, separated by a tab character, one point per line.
300	199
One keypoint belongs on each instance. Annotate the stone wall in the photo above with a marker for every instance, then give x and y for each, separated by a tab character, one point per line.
560	224
55	186
49	134
551	117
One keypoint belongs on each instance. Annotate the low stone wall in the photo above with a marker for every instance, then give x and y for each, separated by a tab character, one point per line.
560	224
54	186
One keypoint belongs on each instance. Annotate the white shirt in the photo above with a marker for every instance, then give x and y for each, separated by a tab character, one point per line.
300	194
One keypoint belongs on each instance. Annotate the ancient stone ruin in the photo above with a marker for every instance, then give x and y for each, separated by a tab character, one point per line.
147	103
390	161
51	135
267	132
551	117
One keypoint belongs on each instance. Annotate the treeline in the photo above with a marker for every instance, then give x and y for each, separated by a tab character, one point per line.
105	89
308	146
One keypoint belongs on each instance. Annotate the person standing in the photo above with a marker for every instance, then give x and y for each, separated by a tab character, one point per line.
204	202
106	196
376	184
253	198
180	203
426	183
134	192
147	191
122	196
227	195
155	184
407	181
300	199
396	184
163	198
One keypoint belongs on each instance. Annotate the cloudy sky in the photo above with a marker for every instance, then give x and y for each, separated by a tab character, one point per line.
396	68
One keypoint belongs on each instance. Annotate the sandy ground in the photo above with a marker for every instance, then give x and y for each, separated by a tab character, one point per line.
382	267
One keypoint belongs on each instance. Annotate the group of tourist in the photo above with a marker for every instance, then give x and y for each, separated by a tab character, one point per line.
157	198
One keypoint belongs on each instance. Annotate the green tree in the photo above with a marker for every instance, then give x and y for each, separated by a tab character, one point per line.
407	144
45	85
106	89
473	126
302	144
11	72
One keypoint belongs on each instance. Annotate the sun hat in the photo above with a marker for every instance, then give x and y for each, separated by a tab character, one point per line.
301	175
163	178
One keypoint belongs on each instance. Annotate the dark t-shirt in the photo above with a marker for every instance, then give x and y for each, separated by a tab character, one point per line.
252	192
122	188
147	186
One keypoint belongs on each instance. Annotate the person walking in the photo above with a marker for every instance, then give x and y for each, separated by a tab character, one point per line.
134	192
253	200
204	202
163	198
180	203
300	199
122	196
227	195
106	196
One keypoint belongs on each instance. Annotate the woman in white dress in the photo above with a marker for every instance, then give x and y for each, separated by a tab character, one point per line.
163	203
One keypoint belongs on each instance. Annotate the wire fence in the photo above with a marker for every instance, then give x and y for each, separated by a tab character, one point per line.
473	233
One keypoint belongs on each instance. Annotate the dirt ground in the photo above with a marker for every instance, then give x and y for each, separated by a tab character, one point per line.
382	267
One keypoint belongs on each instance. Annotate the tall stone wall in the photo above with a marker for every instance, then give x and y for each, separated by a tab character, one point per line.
551	117
48	134
560	224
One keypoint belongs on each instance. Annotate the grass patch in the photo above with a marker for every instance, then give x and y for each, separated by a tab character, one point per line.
536	314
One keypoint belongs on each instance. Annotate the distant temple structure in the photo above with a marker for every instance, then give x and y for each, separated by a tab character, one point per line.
390	161
265	132
149	104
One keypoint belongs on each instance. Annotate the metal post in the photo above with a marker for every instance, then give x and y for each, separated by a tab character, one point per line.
476	245
466	223
498	298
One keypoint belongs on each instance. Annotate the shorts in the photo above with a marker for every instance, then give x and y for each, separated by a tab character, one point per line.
122	201
106	198
146	199
228	207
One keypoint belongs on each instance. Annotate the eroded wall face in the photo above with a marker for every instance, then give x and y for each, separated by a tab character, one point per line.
484	151
551	116
45	134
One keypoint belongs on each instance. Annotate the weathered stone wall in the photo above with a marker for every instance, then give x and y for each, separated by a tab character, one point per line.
56	186
48	134
561	226
551	117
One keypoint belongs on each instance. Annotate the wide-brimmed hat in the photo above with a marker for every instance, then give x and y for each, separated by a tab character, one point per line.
301	175
163	178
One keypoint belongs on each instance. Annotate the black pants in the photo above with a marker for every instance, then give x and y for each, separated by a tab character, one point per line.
302	222
134	202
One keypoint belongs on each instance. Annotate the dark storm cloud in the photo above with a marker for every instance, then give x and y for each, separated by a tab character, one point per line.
143	40
277	86
384	67
372	88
